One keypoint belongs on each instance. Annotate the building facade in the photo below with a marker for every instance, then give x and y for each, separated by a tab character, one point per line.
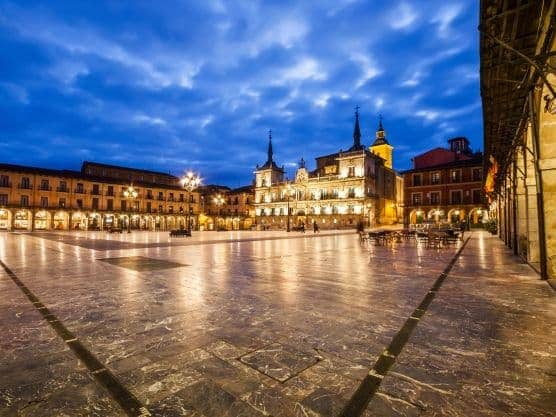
518	79
93	199
348	187
223	208
445	186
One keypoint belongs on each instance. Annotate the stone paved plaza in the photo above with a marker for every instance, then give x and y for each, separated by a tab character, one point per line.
269	323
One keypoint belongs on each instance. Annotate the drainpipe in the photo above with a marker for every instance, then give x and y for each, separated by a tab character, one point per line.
540	196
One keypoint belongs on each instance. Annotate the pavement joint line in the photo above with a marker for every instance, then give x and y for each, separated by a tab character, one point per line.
129	403
370	384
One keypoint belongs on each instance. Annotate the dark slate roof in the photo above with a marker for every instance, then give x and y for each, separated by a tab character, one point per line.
146	171
42	171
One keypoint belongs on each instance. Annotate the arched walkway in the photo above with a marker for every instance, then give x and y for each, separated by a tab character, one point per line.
5	219
42	220
22	220
61	220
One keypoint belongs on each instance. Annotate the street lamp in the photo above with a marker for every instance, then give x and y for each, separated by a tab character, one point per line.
190	182
218	200
130	194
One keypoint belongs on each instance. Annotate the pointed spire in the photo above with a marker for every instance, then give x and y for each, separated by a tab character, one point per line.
356	130
380	138
269	160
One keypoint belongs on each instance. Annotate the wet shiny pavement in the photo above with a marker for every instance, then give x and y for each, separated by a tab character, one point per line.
265	323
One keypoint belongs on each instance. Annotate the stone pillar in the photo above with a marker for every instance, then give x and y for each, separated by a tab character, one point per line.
547	167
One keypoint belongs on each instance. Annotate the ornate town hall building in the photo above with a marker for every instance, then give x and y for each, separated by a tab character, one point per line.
346	187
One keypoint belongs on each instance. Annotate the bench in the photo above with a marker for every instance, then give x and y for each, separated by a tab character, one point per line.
115	230
180	232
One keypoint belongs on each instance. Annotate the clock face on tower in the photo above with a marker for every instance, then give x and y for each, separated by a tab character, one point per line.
301	175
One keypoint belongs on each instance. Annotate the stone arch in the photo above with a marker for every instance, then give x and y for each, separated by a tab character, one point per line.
22	219
42	220
60	220
6	217
417	216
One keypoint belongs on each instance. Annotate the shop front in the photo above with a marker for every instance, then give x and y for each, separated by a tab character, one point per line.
22	220
4	219
42	220
61	220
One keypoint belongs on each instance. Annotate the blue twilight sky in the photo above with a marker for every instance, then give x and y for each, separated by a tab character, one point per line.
172	85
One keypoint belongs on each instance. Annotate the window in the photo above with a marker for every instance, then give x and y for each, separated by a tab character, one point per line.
95	204
148	206
3	199
477	174
44	202
110	204
435	178
123	205
44	185
79	188
351	192
351	171
435	198
171	197
150	194
79	203
25	183
136	205
160	209
4	181
416	199
477	196
63	186
455	175
416	180
24	201
62	202
160	195
95	189
456	197
110	190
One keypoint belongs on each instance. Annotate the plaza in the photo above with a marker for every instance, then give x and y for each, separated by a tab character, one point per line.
271	323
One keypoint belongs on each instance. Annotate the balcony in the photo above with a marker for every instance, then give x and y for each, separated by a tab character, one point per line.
149	197
45	188
62	189
79	191
110	193
5	185
95	192
25	186
160	198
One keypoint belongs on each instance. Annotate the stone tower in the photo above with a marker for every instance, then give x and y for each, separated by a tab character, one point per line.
381	147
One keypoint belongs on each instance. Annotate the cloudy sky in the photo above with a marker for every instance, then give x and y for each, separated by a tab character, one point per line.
173	85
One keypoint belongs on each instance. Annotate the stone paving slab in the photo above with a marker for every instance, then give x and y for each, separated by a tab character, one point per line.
486	347
273	325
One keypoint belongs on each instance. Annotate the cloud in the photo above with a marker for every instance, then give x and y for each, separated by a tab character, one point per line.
306	68
143	118
403	17
444	17
368	69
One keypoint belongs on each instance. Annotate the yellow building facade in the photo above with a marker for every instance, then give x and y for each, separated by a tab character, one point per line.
93	199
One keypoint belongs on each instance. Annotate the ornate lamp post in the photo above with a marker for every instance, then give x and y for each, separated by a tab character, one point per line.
130	194
190	182
218	200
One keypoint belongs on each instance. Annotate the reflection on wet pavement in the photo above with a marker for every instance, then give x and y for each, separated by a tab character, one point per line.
265	324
